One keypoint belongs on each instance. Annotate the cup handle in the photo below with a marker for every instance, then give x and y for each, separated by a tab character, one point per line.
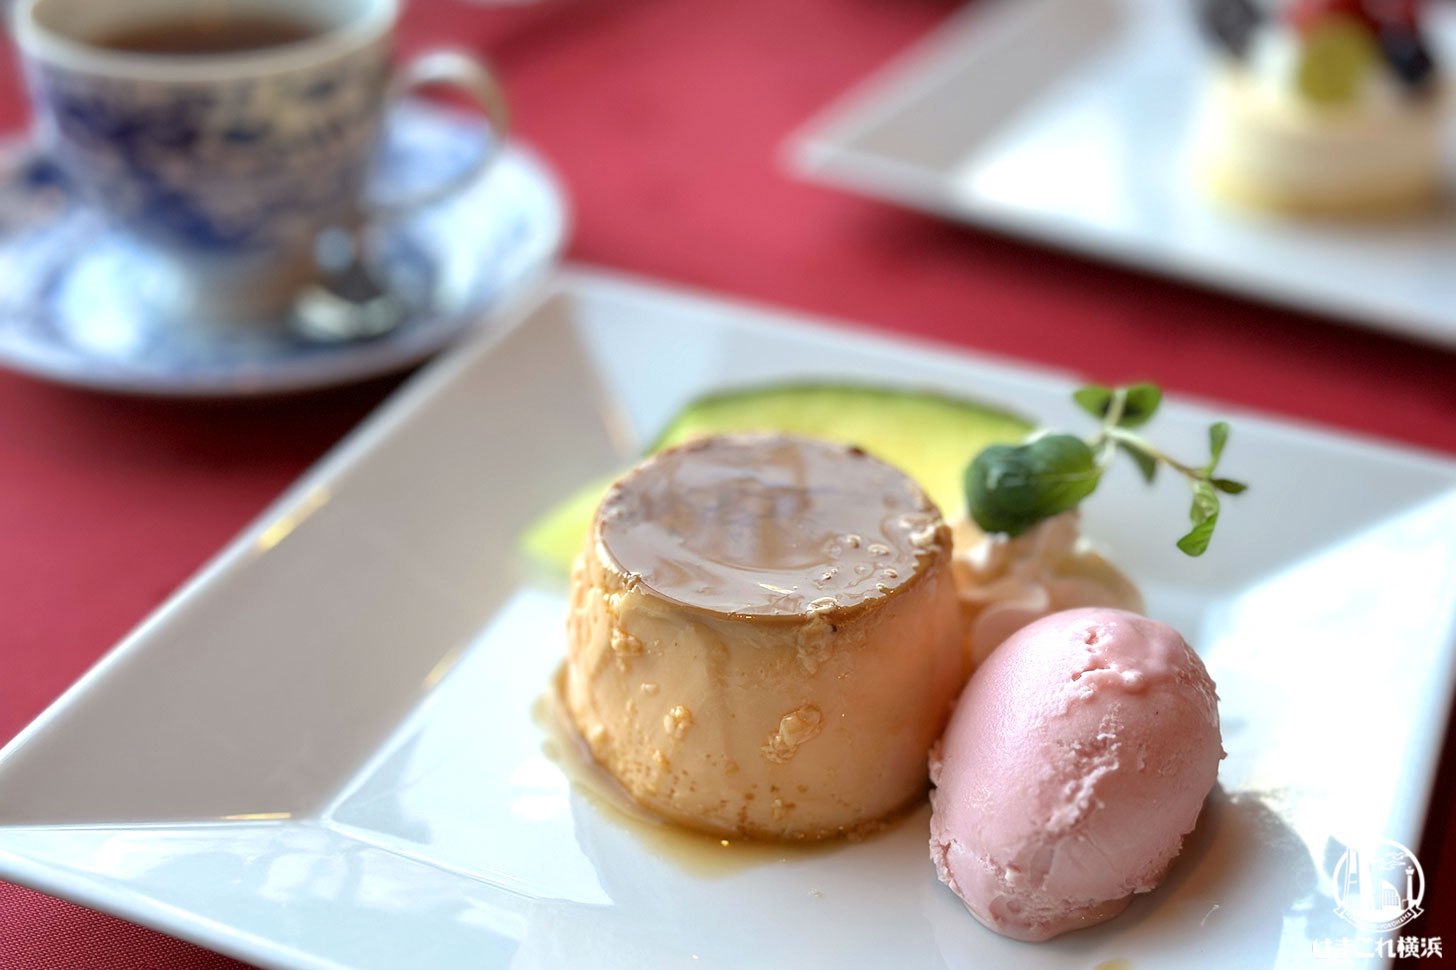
452	69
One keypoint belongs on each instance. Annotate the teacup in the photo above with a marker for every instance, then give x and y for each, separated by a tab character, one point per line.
228	154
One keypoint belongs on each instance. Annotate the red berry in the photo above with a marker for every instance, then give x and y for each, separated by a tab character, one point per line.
1304	14
1394	13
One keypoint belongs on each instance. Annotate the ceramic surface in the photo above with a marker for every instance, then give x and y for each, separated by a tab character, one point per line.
1072	123
326	750
250	152
76	293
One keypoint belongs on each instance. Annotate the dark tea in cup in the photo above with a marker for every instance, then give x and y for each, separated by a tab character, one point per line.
207	35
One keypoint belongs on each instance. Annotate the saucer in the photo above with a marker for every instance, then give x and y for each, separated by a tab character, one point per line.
69	282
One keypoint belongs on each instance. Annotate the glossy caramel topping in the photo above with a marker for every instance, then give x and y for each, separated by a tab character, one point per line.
768	525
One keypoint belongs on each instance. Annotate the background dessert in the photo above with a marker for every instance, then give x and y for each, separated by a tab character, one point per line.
1323	107
1078	758
764	637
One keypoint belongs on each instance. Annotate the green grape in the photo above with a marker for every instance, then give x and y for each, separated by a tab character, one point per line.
1337	55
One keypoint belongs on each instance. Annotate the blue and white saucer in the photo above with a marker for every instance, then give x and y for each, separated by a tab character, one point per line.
69	311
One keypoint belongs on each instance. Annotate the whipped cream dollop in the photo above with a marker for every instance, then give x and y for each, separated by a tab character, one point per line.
1005	583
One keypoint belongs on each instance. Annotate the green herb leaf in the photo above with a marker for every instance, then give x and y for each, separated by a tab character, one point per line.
1204	515
1010	488
1205	502
1218	433
1094	399
1140	405
1195	543
1146	463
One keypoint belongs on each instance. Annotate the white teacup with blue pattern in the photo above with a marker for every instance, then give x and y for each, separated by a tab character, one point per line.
229	165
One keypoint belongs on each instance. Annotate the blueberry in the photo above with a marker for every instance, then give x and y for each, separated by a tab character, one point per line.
1407	56
1230	23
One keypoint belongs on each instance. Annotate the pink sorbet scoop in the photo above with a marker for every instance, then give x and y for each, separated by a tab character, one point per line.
1076	761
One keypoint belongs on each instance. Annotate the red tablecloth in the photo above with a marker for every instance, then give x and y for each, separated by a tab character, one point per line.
665	120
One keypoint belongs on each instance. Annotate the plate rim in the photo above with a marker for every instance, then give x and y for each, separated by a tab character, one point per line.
179	924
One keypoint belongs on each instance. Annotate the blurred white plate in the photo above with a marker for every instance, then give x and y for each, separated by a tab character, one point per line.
1069	122
321	752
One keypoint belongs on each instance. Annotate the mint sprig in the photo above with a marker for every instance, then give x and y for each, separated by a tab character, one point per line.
1010	488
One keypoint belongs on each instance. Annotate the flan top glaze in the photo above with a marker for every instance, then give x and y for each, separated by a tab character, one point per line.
769	526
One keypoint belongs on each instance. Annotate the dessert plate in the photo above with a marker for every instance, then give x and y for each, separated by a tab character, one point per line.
328	750
1071	122
70	308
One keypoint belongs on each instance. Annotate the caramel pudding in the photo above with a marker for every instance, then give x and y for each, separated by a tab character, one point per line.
764	636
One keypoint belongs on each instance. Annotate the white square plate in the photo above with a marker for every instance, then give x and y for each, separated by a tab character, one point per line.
322	753
1070	122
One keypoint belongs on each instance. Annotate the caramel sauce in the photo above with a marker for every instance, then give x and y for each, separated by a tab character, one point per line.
768	526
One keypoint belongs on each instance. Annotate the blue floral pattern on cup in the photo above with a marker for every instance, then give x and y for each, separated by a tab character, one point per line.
257	164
